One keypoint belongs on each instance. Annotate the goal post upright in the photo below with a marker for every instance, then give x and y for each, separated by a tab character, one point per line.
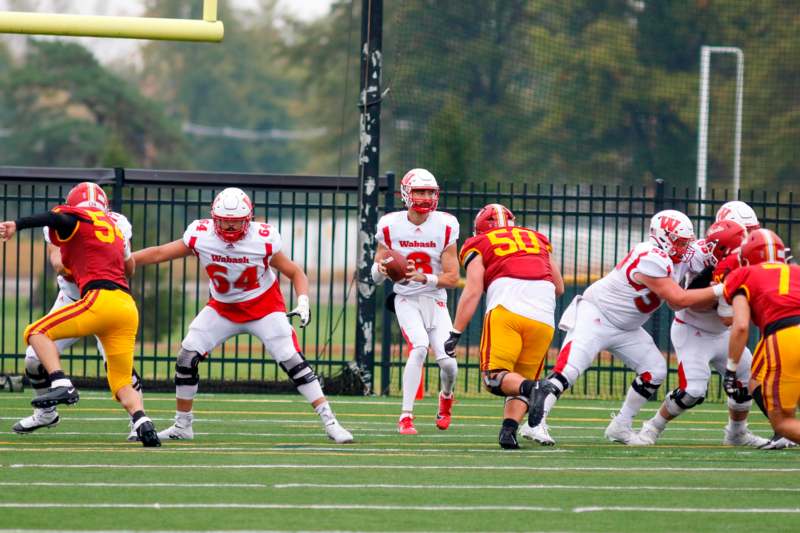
207	30
702	129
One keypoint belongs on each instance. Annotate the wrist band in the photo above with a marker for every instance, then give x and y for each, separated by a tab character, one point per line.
432	279
731	365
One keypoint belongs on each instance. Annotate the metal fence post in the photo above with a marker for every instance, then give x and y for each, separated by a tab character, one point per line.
386	323
369	167
119	180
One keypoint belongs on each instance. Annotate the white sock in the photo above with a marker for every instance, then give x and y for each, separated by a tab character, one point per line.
184	417
311	391
549	402
737	425
65	382
325	413
631	407
448	370
412	374
658	421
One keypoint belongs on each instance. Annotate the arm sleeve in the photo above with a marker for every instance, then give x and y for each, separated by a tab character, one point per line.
275	240
379	235
455	232
63	223
653	265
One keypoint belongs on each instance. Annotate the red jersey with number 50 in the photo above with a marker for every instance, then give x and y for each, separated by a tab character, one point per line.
423	244
773	290
624	301
511	252
243	286
95	250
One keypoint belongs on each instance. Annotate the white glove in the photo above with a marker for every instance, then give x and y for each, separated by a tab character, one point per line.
303	310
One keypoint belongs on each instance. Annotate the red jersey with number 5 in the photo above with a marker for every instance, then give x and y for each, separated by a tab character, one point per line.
95	250
773	290
510	252
242	285
623	300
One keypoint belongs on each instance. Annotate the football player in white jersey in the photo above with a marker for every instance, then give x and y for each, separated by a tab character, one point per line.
610	315
701	337
240	259
427	238
69	293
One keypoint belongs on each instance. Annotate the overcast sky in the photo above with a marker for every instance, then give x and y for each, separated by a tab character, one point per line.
108	50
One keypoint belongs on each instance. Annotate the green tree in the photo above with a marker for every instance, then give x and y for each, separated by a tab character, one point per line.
65	109
242	84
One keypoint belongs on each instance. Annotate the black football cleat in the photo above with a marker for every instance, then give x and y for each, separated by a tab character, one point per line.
508	438
148	435
56	395
539	394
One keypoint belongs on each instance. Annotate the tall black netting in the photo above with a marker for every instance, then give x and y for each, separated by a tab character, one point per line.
602	92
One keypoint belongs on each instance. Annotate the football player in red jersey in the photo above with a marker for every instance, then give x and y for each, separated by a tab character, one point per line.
767	291
93	249
513	265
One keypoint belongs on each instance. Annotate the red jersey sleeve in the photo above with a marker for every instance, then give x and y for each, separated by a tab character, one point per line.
736	282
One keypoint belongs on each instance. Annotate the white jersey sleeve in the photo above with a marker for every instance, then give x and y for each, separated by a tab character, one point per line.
125	227
655	263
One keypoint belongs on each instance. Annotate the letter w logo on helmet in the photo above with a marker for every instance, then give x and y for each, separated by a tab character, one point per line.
669	224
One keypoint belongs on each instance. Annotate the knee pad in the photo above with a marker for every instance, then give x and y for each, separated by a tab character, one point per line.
186	368
644	386
418	353
136	381
759	399
493	381
523	399
684	399
298	370
35	371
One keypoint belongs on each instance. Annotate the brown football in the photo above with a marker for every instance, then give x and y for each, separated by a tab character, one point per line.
395	264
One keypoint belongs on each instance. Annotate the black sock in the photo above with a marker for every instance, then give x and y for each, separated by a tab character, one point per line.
58	374
759	399
510	423
136	416
526	387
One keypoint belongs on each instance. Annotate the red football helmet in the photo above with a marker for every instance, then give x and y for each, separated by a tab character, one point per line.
88	194
493	216
419	179
762	246
231	205
724	237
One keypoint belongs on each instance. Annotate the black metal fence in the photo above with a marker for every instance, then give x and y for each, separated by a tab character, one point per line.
591	227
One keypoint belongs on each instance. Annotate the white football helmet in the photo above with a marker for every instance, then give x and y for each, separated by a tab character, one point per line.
672	231
419	179
739	212
230	205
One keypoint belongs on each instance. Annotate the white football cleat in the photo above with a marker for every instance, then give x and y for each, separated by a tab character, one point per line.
778	443
177	431
618	431
40	418
743	438
540	434
337	433
647	436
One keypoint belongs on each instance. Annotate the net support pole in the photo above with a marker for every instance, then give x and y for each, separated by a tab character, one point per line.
368	171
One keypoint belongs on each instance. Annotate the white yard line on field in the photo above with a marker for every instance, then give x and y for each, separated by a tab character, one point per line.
195	466
700	510
543	486
281	506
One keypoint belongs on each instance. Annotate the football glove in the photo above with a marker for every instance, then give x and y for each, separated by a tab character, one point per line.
734	388
450	343
303	310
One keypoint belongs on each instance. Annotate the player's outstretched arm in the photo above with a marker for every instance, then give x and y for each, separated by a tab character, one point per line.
740	328
159	254
292	270
54	255
678	298
558	281
471	295
449	277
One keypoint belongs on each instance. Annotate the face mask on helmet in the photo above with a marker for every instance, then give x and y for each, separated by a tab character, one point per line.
231	212
724	238
762	246
493	216
672	231
419	190
87	194
739	212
